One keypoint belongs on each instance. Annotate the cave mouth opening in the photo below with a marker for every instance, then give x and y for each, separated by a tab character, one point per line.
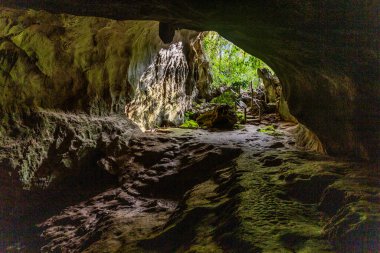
230	65
238	83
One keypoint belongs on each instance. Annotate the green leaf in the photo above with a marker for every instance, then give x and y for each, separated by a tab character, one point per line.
229	63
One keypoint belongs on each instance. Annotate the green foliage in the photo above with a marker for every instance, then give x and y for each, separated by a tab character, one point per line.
189	115
240	116
190	124
227	97
270	130
189	121
230	64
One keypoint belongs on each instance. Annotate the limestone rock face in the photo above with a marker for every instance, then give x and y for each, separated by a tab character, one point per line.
94	65
324	53
61	154
170	84
58	144
272	85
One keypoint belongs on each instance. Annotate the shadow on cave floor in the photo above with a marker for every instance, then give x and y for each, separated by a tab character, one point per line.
20	225
180	190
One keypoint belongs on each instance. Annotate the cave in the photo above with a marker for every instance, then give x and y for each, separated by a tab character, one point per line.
92	158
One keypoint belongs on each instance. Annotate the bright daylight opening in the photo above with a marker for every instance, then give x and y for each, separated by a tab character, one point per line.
241	85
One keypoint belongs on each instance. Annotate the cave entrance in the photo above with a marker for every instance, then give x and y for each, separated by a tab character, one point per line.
230	65
240	84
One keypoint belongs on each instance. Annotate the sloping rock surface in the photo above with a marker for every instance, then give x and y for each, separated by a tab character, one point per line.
198	191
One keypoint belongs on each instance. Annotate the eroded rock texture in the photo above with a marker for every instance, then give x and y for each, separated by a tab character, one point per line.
171	83
200	191
93	184
97	66
325	53
57	162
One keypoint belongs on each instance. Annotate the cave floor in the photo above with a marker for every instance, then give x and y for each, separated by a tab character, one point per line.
181	190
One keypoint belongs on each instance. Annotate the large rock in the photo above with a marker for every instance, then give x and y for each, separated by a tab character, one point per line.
325	54
59	145
56	162
177	75
220	117
272	85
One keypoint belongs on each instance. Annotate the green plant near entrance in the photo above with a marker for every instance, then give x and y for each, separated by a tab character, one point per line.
241	117
227	97
270	130
190	124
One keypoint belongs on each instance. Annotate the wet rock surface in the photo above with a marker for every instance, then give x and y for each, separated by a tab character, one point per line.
178	190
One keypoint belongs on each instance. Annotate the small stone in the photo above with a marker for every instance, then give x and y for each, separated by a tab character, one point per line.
277	145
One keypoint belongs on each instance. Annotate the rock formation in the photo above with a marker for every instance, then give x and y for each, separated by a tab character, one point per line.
77	175
55	162
272	85
196	191
306	138
219	116
94	65
325	53
171	83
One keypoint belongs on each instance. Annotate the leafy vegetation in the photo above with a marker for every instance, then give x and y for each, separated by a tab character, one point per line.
240	116
227	97
189	115
230	65
190	124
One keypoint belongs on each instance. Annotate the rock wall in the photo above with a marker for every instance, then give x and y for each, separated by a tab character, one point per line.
306	139
59	161
324	52
91	65
58	144
272	85
177	75
64	84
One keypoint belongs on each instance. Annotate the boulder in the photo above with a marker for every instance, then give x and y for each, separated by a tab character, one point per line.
221	117
272	85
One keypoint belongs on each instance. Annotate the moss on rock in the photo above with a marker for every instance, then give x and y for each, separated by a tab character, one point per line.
190	124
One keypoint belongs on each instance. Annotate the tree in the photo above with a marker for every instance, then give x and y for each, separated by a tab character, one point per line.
229	63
